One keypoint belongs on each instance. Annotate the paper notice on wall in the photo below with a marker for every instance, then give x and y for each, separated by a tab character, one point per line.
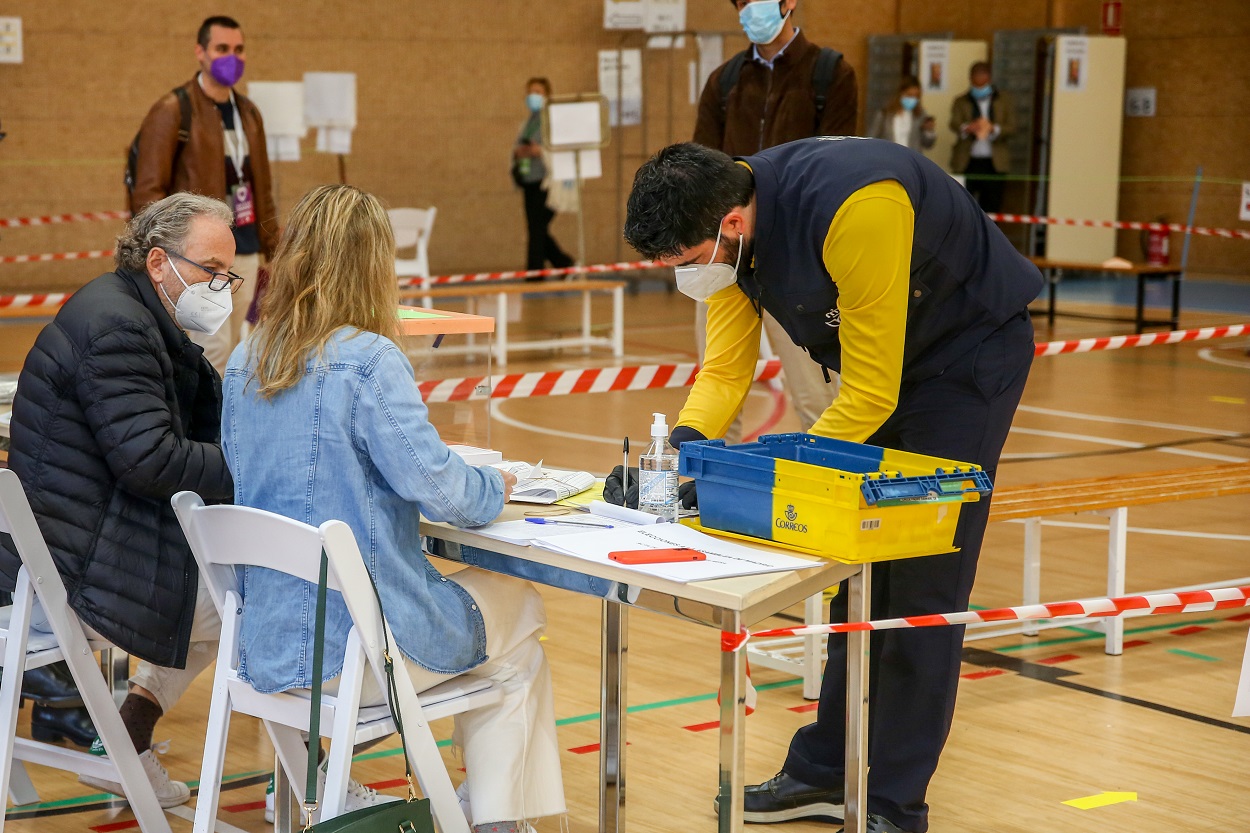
935	59
564	165
1073	64
1241	707
590	163
282	148
334	140
623	14
620	82
575	123
664	15
711	55
281	105
330	99
1244	212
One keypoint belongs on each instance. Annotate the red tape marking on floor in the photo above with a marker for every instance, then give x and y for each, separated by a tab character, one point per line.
246	807
1192	629
806	707
981	675
1135	643
702	727
1058	659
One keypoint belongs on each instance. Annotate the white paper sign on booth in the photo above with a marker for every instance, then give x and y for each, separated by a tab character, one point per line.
623	14
281	105
1073	63
664	16
574	123
330	99
628	110
935	57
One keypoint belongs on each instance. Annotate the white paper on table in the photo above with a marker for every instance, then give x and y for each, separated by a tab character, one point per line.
564	165
624	513
526	532
330	99
724	558
1241	707
282	148
281	105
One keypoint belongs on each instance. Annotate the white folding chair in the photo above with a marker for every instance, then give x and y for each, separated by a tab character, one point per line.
23	649
412	228
225	537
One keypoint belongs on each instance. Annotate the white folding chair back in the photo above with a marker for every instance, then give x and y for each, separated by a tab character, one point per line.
412	228
22	649
226	537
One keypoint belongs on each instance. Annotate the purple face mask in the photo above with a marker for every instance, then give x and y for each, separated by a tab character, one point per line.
227	70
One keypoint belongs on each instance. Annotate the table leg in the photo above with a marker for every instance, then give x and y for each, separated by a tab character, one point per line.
1176	301
1052	277
733	693
115	664
857	646
1141	303
283	821
585	321
614	653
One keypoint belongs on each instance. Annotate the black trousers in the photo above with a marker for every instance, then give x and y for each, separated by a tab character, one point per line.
542	247
987	192
963	414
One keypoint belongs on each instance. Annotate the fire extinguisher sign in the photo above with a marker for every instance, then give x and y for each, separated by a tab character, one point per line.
1112	17
1244	213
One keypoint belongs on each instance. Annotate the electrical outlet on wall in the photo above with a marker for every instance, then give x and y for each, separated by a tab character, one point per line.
1139	101
10	40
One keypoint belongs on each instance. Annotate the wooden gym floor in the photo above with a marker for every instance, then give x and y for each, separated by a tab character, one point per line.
1059	721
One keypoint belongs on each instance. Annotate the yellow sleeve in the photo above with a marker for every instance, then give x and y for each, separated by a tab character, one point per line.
733	347
868	255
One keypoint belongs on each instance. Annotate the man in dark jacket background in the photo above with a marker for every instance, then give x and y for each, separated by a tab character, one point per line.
116	411
777	98
224	156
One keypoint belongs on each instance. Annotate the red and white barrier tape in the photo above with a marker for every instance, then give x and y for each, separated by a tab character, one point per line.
1087	345
646	377
44	258
46	299
1153	605
1028	219
406	283
56	219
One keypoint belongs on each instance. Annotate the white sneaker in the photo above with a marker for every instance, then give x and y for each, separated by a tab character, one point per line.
358	795
169	793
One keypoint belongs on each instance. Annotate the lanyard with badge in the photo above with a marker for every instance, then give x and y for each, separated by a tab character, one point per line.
241	199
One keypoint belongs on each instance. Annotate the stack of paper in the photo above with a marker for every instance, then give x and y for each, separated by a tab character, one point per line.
724	558
536	484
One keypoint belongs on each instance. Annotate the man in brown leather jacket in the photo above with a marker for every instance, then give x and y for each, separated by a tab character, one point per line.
774	100
224	156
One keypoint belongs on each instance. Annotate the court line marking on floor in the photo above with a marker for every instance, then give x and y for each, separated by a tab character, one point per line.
1089	438
1143	530
187	813
1208	354
1034	409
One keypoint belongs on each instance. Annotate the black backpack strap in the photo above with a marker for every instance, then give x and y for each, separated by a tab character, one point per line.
184	122
729	77
822	79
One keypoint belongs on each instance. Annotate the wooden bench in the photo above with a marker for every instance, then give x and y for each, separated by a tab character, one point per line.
500	291
1053	271
1109	497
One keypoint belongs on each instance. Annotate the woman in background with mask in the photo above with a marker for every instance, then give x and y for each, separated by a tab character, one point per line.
904	121
529	171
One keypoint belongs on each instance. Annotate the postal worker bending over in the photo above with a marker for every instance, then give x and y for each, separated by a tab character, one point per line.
885	270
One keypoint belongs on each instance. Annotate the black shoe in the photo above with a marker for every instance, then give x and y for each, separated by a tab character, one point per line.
51	685
879	824
50	725
783	798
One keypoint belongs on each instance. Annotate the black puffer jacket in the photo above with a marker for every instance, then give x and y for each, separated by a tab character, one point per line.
116	411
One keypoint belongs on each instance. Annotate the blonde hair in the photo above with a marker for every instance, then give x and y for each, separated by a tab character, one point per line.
334	268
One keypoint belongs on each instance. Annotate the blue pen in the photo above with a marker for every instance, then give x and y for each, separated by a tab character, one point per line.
567	523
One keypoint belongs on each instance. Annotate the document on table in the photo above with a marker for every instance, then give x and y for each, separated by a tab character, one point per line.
602	515
536	484
724	558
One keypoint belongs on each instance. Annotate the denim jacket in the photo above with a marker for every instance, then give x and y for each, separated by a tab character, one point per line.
352	441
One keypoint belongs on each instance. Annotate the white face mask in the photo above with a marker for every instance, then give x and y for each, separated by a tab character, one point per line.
200	308
701	281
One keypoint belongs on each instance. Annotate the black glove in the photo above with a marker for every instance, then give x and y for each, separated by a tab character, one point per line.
683	434
612	488
687	495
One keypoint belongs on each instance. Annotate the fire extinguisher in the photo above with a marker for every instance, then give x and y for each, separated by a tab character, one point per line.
1155	245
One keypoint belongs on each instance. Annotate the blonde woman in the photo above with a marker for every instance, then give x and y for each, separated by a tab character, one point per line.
323	420
904	121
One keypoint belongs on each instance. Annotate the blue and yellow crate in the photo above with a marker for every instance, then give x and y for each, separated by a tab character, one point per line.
847	501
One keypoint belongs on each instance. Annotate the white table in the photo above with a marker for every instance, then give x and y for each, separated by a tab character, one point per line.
726	605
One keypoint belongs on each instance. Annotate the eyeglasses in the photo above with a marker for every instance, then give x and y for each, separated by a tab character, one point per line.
217	280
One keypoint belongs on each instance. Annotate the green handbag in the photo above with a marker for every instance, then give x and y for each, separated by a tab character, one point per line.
410	816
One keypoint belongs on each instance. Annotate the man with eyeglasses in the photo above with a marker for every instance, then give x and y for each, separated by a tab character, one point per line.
222	154
116	411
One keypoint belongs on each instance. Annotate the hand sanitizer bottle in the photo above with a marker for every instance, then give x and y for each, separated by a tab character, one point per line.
657	473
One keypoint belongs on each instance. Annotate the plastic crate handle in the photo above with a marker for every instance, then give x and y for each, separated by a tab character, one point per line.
938	486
